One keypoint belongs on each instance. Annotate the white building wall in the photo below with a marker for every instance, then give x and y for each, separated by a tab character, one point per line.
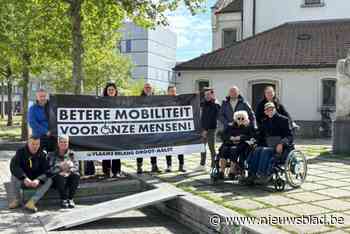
271	13
299	90
225	21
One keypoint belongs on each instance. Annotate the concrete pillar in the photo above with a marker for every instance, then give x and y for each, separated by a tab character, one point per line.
341	125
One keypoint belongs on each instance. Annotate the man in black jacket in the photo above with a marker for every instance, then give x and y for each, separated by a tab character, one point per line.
209	117
235	102
28	170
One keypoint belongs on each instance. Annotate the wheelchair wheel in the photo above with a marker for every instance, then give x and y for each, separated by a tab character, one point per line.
295	168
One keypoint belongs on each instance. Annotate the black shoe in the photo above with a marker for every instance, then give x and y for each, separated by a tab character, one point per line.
71	203
64	204
221	175
168	169
155	169
139	169
181	168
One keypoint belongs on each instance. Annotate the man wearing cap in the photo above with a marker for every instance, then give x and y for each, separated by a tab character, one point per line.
276	134
29	170
64	169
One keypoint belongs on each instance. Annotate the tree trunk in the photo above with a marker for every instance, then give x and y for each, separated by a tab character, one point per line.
78	50
9	96
25	98
2	100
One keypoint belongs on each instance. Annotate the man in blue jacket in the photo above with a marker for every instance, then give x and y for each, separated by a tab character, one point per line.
38	119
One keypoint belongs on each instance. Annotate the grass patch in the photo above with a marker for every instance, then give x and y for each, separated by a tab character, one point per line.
12	133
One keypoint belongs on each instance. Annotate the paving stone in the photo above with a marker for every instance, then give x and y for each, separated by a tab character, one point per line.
312	186
334	175
337	232
305	209
307	196
247	204
276	200
334	192
334	204
314	178
334	183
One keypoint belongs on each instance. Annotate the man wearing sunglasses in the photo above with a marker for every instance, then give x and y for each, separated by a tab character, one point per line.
209	117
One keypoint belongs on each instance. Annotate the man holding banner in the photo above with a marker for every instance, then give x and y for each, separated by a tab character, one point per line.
172	92
147	91
128	127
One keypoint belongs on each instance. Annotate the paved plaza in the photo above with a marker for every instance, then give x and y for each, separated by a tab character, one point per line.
326	193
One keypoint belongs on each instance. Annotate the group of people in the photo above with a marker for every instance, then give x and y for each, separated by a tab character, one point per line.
46	160
269	127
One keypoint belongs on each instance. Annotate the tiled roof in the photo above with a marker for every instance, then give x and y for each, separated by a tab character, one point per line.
304	44
234	6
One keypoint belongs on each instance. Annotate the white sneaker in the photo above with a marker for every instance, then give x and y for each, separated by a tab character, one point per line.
200	168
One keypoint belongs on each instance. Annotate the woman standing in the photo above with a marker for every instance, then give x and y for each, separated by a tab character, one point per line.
111	91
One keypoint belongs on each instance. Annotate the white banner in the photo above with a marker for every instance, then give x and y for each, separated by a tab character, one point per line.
139	153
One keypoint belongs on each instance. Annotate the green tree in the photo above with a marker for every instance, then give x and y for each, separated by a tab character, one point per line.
31	33
103	17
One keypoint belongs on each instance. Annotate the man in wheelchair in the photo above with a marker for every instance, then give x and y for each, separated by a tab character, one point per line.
275	141
237	140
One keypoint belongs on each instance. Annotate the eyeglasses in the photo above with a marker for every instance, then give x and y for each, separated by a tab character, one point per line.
240	119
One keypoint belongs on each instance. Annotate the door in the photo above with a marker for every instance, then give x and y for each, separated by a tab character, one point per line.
258	92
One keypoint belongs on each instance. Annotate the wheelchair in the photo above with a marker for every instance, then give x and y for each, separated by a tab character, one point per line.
215	171
291	171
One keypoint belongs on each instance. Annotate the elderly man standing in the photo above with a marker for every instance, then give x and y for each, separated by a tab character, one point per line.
38	119
235	102
29	170
147	91
64	169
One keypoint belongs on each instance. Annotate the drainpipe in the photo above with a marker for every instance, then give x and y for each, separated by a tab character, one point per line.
254	16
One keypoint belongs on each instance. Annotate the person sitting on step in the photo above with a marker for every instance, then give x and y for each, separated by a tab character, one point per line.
29	170
64	169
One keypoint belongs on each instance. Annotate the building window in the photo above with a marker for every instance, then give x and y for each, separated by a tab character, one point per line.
229	37
328	92
313	3
128	46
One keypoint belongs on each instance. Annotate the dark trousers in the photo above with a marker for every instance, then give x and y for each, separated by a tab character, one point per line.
66	186
153	161
106	166
48	143
89	168
180	157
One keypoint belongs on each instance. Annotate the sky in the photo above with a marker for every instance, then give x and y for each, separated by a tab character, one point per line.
193	32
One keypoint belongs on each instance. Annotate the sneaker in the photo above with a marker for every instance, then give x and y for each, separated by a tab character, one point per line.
168	169
71	203
31	206
64	204
200	168
14	204
120	175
